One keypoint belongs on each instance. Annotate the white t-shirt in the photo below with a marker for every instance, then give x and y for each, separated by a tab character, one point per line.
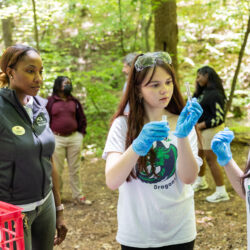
154	211
247	190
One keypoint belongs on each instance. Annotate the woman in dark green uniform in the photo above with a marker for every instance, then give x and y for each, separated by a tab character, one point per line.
27	176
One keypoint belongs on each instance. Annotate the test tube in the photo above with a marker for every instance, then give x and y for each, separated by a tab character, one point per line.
164	118
188	91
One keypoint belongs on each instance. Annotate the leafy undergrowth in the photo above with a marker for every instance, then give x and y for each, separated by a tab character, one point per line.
219	226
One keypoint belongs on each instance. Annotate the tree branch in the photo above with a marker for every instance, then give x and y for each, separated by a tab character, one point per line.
238	67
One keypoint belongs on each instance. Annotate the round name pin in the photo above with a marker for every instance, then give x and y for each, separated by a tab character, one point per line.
18	130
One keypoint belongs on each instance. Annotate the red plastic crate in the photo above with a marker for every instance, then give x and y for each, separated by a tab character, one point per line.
11	227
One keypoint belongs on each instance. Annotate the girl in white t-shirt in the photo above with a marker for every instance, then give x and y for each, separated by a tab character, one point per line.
240	180
153	160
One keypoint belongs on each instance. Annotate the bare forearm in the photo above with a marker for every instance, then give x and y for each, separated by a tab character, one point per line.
201	125
234	174
119	166
55	180
187	165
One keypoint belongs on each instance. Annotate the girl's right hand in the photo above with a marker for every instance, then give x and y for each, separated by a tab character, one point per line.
188	118
151	132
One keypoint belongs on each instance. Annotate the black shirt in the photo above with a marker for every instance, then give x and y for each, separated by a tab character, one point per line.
212	102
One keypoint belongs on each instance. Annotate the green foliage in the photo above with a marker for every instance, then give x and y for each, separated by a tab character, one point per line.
100	103
86	41
240	100
240	129
210	33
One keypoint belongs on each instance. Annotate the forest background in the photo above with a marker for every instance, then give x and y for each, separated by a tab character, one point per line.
87	40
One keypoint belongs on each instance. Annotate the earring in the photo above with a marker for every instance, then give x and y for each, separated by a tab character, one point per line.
11	76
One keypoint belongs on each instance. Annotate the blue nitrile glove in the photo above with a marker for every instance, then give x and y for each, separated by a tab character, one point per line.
221	146
188	118
151	132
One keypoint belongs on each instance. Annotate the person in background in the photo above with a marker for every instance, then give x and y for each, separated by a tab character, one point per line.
127	63
210	94
28	178
240	180
152	165
68	123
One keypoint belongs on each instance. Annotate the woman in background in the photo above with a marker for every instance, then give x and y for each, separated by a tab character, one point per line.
210	94
68	123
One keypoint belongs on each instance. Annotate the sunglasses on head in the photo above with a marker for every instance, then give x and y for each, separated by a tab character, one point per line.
149	60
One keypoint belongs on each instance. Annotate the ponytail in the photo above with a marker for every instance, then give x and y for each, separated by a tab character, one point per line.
4	80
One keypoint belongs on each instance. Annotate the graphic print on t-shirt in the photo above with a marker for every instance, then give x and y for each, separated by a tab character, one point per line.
165	164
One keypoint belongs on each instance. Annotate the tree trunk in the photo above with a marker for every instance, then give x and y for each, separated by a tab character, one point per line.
7	31
121	26
147	33
238	66
145	25
35	26
166	30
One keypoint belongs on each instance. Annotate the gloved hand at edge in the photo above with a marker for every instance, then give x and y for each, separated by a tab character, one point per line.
220	145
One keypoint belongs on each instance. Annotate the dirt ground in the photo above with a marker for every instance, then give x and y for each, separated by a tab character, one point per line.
219	226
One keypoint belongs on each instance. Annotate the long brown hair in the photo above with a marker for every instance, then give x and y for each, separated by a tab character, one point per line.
11	56
137	113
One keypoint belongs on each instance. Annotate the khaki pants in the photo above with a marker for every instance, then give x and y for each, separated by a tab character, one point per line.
207	135
69	147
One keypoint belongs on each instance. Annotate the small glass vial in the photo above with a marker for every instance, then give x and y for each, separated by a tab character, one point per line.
188	91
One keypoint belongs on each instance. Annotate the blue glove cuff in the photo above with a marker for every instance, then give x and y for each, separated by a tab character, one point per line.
224	162
140	148
180	135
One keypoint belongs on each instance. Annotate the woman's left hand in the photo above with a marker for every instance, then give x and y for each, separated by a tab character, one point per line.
60	228
188	118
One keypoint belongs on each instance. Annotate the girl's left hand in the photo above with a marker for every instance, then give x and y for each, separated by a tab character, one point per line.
60	228
188	118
